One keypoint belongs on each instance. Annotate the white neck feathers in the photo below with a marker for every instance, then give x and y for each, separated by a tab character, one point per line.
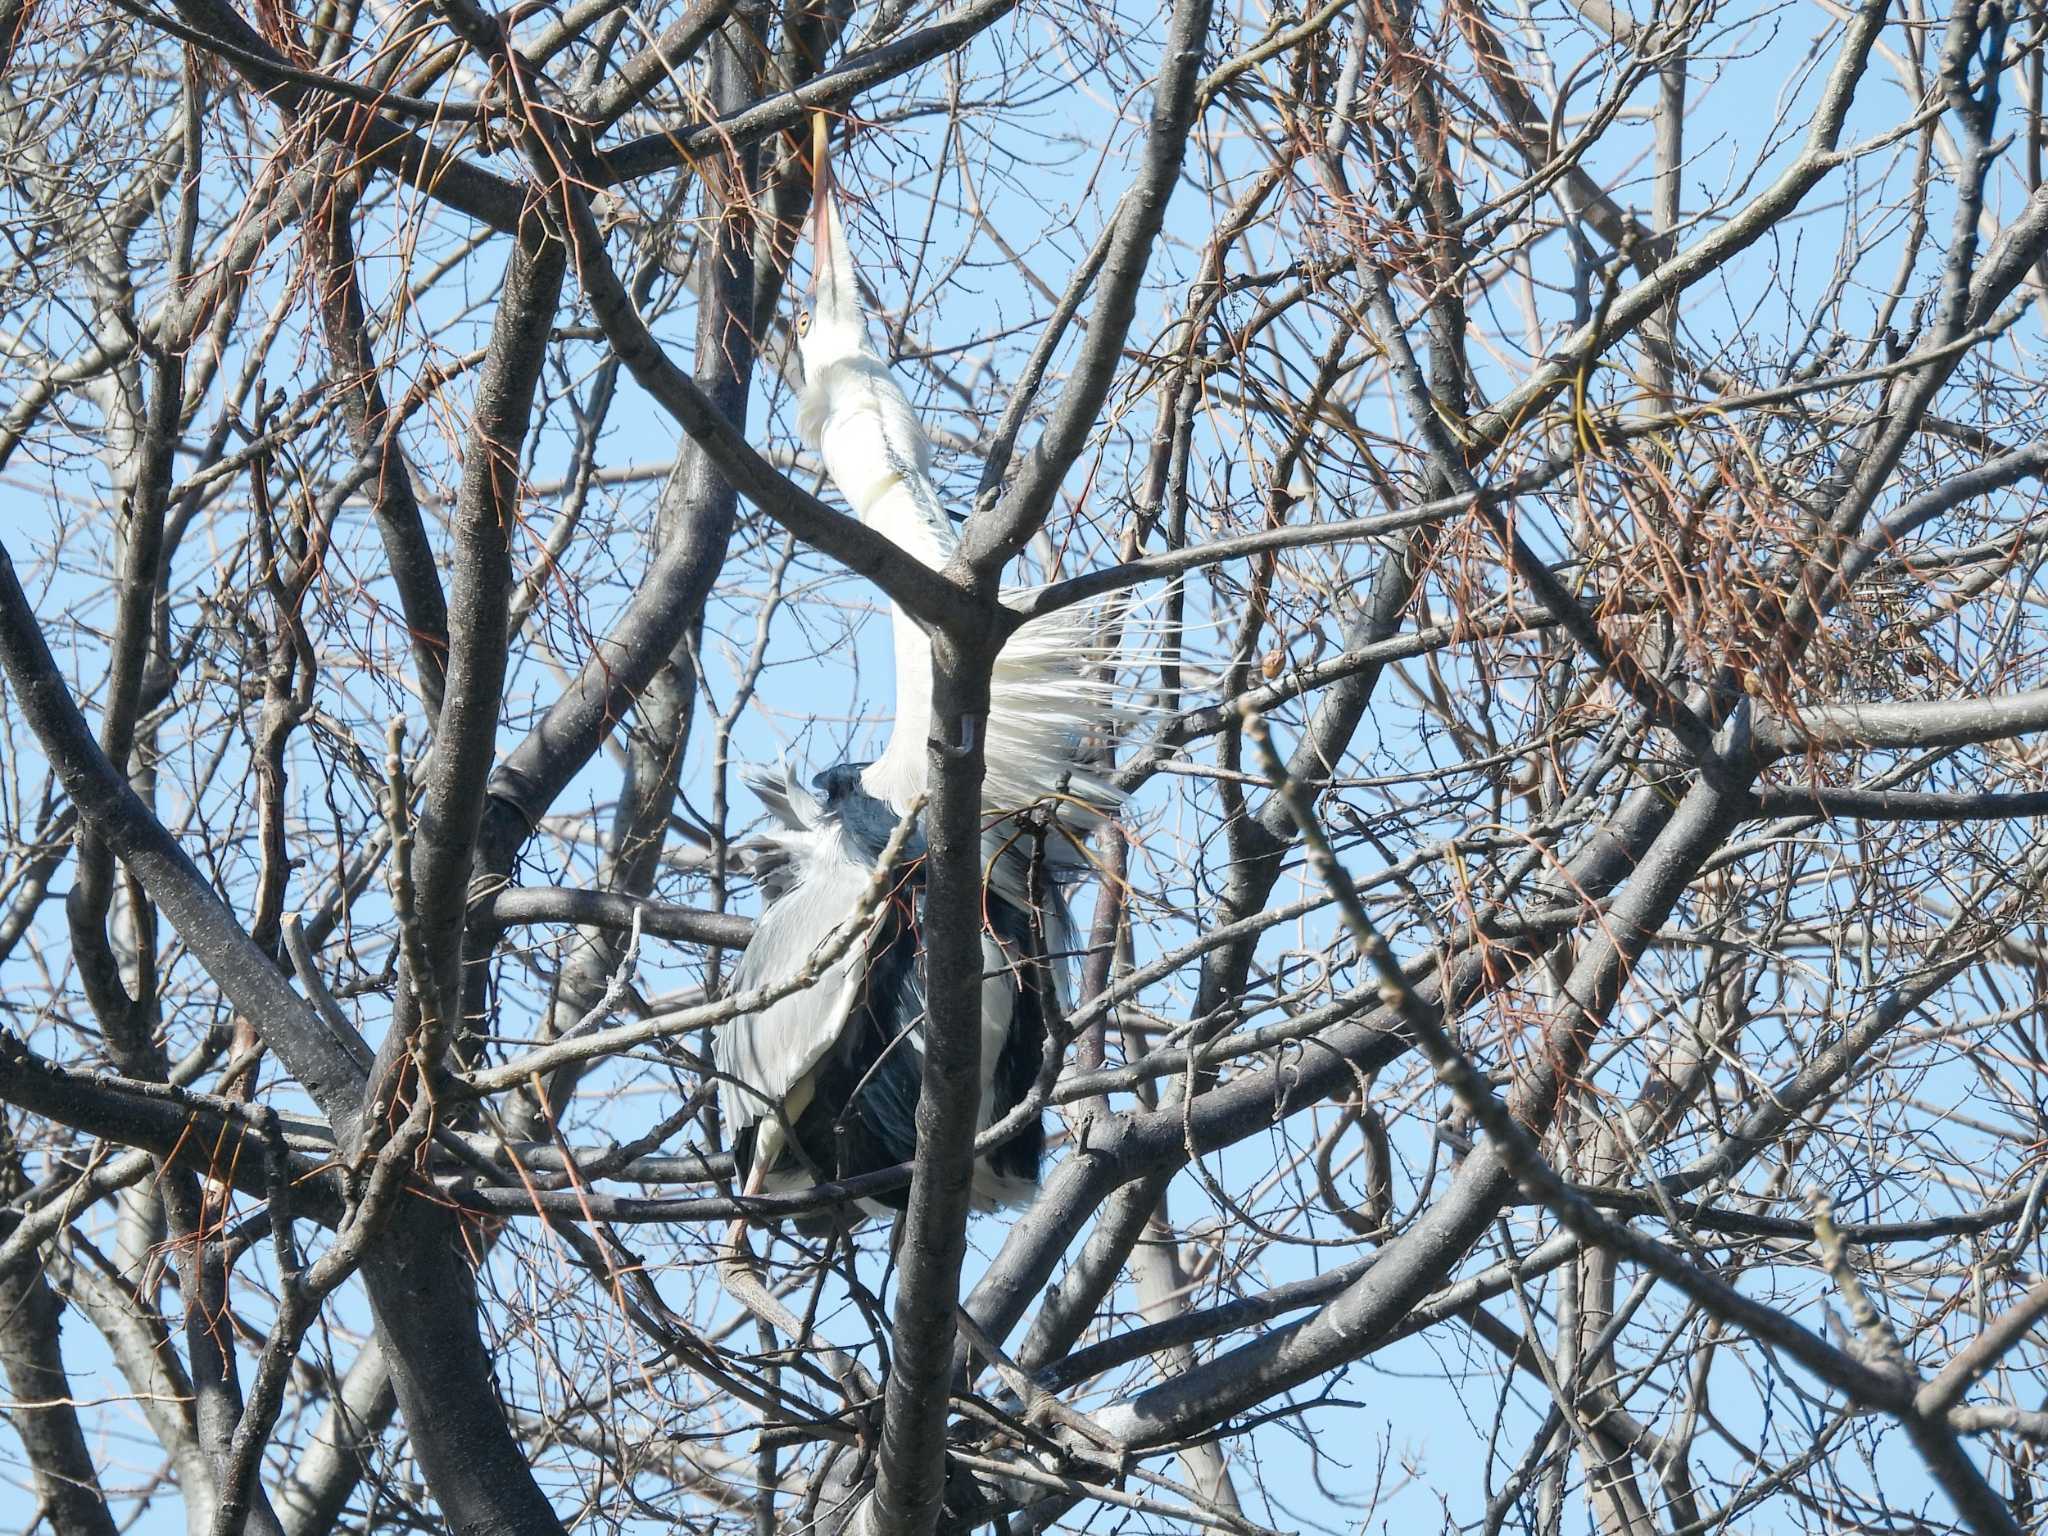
875	453
1050	690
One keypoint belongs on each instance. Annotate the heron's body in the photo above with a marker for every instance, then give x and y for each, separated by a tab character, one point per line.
824	1083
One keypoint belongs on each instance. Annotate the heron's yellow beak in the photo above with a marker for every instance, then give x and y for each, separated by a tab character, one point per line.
821	196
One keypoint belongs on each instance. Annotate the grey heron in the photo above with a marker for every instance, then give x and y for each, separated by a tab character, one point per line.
823	1084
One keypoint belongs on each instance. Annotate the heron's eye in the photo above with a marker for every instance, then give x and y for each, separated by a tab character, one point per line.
803	322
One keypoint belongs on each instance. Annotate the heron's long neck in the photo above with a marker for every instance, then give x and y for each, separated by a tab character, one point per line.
899	513
877	455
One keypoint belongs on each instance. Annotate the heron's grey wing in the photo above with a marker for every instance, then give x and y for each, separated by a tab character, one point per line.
897	999
1007	855
1023	956
1024	973
864	1115
762	1056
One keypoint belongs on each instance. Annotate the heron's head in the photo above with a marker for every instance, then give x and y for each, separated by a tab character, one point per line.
865	823
838	786
832	325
